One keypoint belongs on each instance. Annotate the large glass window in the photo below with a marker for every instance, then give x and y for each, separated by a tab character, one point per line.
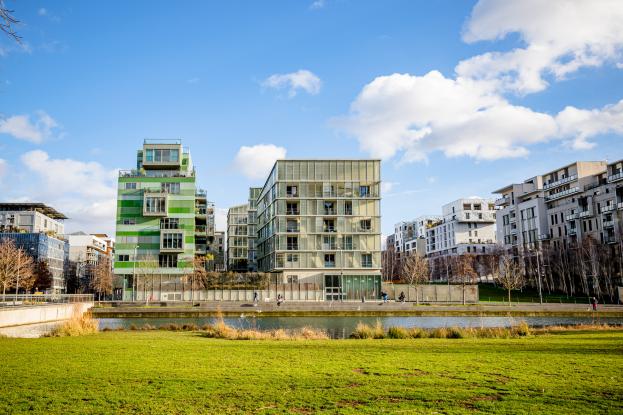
293	243
365	225
172	241
173	188
328	225
329	260
364	191
169	223
167	260
366	260
348	208
155	204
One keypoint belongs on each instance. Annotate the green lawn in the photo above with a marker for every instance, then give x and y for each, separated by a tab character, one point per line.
182	372
490	292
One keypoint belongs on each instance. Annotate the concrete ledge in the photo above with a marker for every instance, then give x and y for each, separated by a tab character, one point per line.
354	309
22	315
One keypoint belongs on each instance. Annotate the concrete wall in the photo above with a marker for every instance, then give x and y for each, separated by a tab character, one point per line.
433	293
16	316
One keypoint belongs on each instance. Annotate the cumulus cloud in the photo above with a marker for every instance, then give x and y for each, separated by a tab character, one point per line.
560	37
220	219
387	187
256	161
23	128
84	191
318	4
410	116
301	80
42	12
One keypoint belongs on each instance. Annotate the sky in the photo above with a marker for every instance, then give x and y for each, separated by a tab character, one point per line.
458	98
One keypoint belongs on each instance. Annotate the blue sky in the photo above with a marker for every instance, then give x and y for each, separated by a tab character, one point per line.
321	79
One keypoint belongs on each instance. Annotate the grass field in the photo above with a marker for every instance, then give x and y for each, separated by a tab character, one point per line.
160	372
490	292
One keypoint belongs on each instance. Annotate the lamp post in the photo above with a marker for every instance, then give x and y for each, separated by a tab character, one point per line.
134	273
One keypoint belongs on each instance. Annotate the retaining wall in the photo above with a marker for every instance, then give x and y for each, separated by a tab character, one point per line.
20	315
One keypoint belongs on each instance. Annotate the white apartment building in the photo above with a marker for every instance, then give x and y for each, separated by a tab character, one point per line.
87	249
582	199
403	231
31	218
467	226
409	236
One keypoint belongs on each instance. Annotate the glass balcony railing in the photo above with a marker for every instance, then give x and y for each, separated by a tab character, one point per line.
564	193
615	177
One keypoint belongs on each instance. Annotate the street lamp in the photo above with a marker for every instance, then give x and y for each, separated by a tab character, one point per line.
134	283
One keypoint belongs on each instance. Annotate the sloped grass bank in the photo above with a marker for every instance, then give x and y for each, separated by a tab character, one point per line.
162	372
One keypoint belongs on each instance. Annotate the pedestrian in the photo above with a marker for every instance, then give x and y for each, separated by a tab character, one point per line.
363	298
401	297
279	300
255	298
594	303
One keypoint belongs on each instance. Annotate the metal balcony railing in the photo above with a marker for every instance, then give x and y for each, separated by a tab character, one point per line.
560	182
502	201
615	177
609	208
570	217
585	214
564	193
544	237
608	223
331	212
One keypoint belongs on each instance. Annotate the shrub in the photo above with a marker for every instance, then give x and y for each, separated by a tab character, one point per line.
457	333
521	330
398	333
78	325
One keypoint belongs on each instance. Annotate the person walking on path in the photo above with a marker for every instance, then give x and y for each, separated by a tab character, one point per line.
279	300
255	298
594	303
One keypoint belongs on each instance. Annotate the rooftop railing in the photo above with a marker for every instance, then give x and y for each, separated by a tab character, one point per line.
155	173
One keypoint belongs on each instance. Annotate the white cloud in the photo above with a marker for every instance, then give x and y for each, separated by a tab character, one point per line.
387	187
416	115
431	179
220	219
560	37
3	169
256	161
192	80
580	124
84	191
23	128
318	4
301	80
42	12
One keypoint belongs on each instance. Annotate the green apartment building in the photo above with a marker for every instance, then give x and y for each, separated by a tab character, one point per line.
319	223
163	222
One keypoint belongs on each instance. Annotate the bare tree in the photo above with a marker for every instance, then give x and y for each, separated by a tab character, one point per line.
415	271
101	280
509	275
8	22
16	267
43	276
464	270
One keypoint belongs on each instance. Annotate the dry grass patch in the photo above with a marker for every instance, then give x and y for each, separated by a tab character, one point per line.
78	325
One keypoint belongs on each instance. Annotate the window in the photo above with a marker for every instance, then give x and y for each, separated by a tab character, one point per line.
348	242
364	191
292	243
167	260
328	243
329	260
173	188
366	260
123	258
466	215
130	186
328	225
292	258
292	208
169	223
292	225
129	222
348	207
329	208
173	241
293	279
162	155
291	191
328	190
365	225
155	204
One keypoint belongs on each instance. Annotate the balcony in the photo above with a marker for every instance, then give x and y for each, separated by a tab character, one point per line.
610	239
620	205
560	182
330	212
608	208
573	231
201	212
503	201
608	224
201	249
564	193
292	247
293	212
293	230
329	247
544	237
156	173
201	194
615	177
585	214
572	216
329	229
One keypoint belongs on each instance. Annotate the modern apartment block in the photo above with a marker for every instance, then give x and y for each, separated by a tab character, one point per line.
403	231
163	222
238	238
467	226
85	253
319	223
218	247
36	228
254	193
565	205
409	236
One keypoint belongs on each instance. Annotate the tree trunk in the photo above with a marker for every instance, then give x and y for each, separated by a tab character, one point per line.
509	298
417	297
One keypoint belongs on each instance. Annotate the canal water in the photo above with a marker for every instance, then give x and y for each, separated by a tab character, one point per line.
336	327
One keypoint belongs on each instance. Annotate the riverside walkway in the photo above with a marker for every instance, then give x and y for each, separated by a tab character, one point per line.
370	308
